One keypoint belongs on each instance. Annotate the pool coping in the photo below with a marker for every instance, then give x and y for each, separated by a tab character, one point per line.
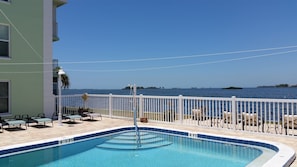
284	155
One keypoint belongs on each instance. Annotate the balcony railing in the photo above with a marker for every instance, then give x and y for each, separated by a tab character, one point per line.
272	116
55	31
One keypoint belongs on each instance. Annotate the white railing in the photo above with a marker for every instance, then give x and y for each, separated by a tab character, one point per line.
275	116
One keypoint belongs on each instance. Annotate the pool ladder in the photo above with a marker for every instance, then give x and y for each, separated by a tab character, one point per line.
138	141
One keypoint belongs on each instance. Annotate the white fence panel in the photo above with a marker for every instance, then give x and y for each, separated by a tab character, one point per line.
274	116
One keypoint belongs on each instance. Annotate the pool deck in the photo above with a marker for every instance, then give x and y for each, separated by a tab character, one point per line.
37	133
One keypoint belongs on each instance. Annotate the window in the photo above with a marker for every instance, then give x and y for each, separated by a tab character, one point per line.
7	1
4	41
4	97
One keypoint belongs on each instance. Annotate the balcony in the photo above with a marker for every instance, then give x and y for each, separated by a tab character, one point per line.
55	31
58	3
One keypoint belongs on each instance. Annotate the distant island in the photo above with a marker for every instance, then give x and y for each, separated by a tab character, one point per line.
228	88
141	87
233	87
279	86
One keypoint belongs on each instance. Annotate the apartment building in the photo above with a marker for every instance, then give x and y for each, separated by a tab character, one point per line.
28	29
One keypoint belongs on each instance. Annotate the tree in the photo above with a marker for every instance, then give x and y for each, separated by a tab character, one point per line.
64	78
65	81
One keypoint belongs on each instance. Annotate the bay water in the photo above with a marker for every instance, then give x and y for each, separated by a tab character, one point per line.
274	93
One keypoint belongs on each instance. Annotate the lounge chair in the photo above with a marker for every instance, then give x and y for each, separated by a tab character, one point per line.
72	118
41	119
251	119
228	118
290	122
1	124
17	121
14	123
199	114
70	114
85	113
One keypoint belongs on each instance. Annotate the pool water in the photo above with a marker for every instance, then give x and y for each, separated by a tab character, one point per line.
171	151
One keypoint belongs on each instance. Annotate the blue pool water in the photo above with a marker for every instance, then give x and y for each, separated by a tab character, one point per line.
157	149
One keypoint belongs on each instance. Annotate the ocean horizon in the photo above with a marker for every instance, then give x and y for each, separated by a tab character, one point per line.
275	93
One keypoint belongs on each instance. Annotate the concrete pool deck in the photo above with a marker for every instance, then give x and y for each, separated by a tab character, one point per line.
36	133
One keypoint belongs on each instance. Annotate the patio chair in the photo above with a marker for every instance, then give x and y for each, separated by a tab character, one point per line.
85	113
251	119
40	119
228	118
199	114
290	122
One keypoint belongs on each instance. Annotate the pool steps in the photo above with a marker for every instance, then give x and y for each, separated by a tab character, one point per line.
127	141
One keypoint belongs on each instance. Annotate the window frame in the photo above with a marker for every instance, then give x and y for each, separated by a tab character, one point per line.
8	97
8	41
5	1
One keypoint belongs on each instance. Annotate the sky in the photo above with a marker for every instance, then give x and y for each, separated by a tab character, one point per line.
109	44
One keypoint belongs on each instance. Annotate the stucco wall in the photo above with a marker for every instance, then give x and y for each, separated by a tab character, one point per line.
26	46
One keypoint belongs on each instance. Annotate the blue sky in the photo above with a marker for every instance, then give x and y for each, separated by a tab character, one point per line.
108	44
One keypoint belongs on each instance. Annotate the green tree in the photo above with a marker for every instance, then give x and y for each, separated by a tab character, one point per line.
64	78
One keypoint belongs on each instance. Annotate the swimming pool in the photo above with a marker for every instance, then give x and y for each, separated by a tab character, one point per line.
175	148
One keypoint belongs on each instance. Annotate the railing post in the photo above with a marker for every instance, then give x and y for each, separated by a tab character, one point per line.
110	105
180	109
234	112
140	106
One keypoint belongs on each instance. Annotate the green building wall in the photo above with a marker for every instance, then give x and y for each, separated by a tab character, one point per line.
24	70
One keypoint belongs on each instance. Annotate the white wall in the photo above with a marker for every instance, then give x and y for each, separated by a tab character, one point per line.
49	102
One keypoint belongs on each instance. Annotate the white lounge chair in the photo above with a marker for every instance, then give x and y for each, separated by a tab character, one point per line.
227	118
251	119
290	122
199	114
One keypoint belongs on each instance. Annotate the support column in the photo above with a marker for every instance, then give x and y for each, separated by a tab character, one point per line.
110	105
234	112
140	106
180	108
